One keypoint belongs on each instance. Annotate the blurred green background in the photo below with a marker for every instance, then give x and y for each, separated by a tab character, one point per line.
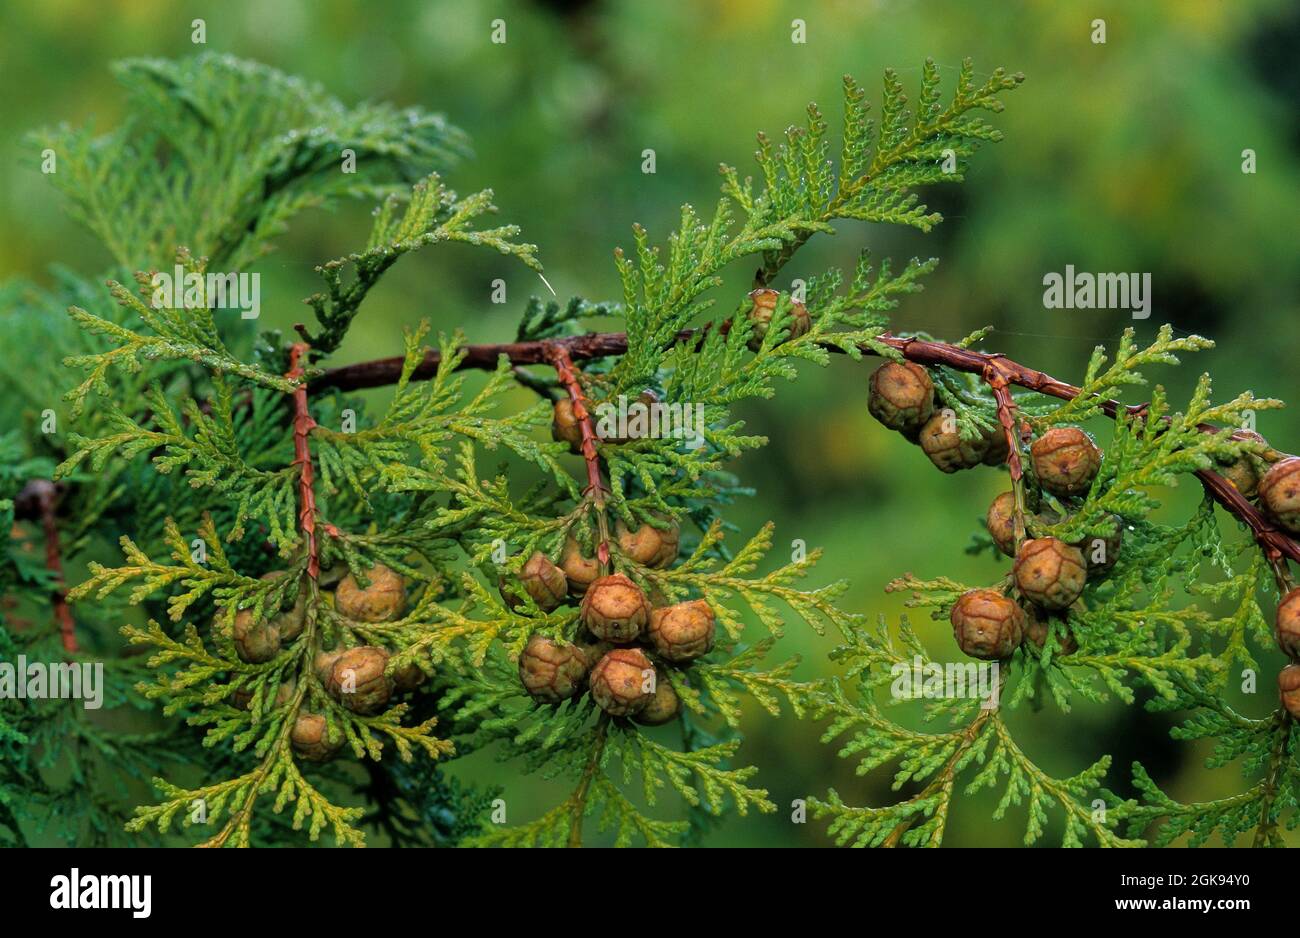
1123	156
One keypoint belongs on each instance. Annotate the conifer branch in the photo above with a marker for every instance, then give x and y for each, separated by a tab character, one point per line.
381	372
303	423
568	375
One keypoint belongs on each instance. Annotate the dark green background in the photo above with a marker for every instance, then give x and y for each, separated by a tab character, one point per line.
1118	157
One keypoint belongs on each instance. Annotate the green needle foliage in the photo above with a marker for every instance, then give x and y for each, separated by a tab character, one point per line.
271	527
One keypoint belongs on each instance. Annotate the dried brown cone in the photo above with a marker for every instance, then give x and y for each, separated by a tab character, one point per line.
565	426
986	624
1279	492
998	449
323	664
761	312
662	707
621	682
358	681
541	580
1066	461
581	571
942	442
1100	552
648	545
289	622
1050	572
552	670
1036	628
1288	623
256	640
1288	686
1001	522
635	430
614	609
310	738
682	632
1243	473
382	601
902	395
408	677
243	698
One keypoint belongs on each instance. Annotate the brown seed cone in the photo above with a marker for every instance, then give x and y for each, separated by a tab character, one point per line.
682	632
1288	685
902	395
986	624
1288	623
663	705
540	579
998	450
408	677
1066	461
620	682
255	641
1100	553
614	609
579	570
946	449
243	698
1050	572
310	738
636	430
1036	627
760	314
648	545
323	664
1279	492
1242	473
551	670
358	681
290	621
565	427
1001	522
382	601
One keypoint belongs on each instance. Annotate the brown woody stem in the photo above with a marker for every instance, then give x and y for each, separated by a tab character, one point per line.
559	357
41	498
1275	544
303	424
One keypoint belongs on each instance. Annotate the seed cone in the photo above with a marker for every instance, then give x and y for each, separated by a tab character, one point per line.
565	427
662	706
682	632
902	395
614	609
382	601
1101	551
648	545
579	570
1001	523
1036	628
986	624
310	738
1050	572
289	622
945	447
541	580
358	680
256	640
620	682
550	670
1242	473
764	308
1288	686
1288	623
1280	493
1065	460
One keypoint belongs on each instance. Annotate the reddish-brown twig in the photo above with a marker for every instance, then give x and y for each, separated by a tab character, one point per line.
303	424
1275	544
42	497
558	355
